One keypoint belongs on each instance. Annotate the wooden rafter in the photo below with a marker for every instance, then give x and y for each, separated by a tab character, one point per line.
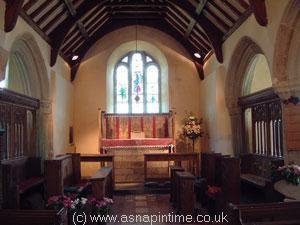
79	24
58	35
48	13
232	20
199	9
260	11
12	10
112	25
29	4
200	25
36	12
212	32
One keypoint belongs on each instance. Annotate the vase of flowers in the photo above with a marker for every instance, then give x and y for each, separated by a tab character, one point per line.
82	210
192	128
290	173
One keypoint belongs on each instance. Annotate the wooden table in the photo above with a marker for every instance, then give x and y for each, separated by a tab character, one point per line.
176	157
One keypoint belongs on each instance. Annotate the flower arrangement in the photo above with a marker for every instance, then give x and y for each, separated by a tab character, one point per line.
59	201
192	127
100	207
291	173
213	190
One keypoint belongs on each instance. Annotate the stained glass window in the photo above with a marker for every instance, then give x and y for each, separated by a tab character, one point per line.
137	84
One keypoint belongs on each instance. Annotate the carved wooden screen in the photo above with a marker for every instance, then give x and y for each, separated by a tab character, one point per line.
17	119
265	113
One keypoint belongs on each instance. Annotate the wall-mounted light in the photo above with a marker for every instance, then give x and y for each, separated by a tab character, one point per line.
75	57
197	55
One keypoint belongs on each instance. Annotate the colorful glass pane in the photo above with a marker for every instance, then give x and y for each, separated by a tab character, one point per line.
122	89
137	83
152	89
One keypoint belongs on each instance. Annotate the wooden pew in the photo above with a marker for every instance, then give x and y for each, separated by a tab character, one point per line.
102	183
229	184
184	198
63	174
280	213
20	176
256	172
33	217
193	158
173	170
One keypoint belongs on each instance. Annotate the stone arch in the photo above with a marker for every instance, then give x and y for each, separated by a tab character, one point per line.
142	46
27	58
242	57
286	60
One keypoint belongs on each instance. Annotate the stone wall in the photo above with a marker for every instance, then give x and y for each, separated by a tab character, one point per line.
129	165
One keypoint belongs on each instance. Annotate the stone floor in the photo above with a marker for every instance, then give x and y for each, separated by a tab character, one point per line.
143	206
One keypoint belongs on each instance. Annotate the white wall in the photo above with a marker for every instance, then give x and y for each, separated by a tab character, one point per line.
213	106
90	83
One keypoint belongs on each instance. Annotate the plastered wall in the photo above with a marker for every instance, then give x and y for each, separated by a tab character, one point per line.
213	107
91	90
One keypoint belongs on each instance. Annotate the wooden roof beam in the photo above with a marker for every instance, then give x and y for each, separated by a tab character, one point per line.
114	25
199	9
12	10
29	4
40	9
260	11
213	33
58	35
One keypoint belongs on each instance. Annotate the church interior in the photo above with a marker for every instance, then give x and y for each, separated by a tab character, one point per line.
149	112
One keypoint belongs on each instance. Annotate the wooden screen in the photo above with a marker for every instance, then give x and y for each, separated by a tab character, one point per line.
262	123
17	120
292	127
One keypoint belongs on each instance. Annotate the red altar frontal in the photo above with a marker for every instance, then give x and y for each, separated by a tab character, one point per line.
129	136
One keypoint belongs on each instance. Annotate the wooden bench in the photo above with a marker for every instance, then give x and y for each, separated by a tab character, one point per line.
33	217
102	183
279	213
63	174
20	176
256	171
184	195
173	170
227	178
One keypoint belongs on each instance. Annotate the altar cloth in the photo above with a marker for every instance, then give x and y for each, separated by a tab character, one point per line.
136	143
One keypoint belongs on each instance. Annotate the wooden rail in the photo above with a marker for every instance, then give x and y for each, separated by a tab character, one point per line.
176	157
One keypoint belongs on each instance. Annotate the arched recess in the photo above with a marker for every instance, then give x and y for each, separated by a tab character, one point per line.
243	56
286	60
27	74
142	46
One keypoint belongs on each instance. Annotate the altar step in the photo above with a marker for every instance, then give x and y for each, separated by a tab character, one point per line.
140	188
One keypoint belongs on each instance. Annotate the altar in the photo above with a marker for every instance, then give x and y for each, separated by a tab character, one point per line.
129	136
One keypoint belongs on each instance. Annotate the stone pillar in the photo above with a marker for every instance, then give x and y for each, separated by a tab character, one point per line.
45	130
237	130
3	61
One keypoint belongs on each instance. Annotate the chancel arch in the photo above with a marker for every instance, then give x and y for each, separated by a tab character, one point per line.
247	68
287	52
26	74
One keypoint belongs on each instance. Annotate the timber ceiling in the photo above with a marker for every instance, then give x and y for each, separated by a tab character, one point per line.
71	27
